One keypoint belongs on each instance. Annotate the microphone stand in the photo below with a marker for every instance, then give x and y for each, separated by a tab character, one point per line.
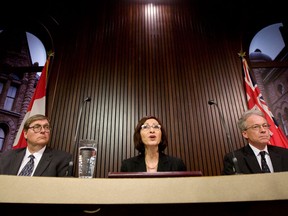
76	138
234	159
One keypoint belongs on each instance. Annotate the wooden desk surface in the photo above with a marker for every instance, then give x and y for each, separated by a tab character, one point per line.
52	190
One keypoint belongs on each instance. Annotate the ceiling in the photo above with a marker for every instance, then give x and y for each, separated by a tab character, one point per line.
226	11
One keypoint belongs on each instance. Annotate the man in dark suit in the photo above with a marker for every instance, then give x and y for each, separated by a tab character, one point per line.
255	130
46	161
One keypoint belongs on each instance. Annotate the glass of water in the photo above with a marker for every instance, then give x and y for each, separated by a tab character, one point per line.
87	158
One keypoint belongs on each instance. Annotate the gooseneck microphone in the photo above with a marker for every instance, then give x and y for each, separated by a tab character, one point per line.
234	159
76	138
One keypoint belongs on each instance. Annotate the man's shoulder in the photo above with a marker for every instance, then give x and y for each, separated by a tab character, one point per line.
12	151
56	151
277	149
244	150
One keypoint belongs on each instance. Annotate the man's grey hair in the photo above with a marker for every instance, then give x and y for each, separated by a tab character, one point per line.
242	121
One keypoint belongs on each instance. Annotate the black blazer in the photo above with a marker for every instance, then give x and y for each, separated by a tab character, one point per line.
248	163
53	162
166	163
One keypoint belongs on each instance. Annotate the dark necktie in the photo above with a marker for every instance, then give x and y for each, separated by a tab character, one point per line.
28	168
265	168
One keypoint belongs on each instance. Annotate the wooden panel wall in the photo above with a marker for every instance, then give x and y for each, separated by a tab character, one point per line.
135	59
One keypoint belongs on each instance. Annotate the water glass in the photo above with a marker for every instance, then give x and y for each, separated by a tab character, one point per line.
87	158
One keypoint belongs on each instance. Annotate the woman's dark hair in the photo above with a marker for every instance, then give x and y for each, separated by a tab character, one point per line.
139	145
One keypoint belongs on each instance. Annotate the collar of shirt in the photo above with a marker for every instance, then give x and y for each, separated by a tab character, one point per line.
257	151
258	156
37	156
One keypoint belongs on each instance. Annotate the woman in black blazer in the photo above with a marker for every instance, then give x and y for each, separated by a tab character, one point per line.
150	141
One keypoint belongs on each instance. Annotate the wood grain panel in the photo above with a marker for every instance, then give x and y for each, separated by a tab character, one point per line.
136	59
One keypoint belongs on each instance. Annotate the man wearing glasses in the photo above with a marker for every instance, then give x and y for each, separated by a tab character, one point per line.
37	159
258	156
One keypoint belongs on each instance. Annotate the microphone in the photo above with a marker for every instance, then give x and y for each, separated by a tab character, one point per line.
234	159
87	99
69	171
211	102
76	138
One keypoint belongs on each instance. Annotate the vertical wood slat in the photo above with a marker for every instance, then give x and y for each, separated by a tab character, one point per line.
133	64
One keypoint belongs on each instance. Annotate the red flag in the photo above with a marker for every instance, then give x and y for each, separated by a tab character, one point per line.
37	106
256	100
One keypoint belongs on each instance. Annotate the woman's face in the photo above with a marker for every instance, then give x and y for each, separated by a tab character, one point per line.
151	132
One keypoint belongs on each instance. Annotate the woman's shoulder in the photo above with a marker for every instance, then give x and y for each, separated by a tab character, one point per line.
135	158
169	157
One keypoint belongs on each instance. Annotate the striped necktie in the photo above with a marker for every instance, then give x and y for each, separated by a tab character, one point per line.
265	168
28	168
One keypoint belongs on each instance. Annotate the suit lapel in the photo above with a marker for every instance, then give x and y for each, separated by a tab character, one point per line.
275	159
251	160
44	162
140	163
162	164
17	158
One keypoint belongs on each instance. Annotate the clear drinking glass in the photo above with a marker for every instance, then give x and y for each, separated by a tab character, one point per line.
87	158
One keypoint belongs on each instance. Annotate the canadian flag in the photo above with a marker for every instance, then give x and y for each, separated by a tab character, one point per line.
37	106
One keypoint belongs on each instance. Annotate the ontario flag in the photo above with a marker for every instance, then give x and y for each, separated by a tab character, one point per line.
255	100
37	106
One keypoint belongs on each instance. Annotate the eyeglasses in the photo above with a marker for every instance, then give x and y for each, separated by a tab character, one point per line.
37	128
258	127
147	127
